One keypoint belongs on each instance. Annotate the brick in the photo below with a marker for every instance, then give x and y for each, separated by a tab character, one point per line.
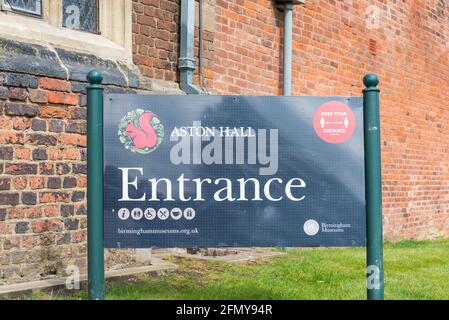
19	183
37	183
50	211
83	223
62	98
79	168
67	210
54	183
63	239
11	137
5	183
76	127
82	101
54	112
30	242
54	154
22	153
21	124
71	224
46	168
46	197
78	87
52	225
5	229
20	94
77	196
79	236
6	153
62	168
20	80
22	227
16	213
38	96
73	139
41	139
81	210
29	198
20	168
56	126
3	93
82	181
9	199
40	154
47	239
10	272
70	154
78	113
55	84
38	125
13	243
69	182
18	257
5	122
2	214
21	109
83	154
24	213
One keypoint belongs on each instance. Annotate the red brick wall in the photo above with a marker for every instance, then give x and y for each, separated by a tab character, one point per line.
43	175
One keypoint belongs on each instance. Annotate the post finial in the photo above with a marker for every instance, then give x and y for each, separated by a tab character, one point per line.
94	76
371	80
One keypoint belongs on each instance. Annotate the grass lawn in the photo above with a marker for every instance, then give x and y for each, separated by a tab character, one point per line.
413	270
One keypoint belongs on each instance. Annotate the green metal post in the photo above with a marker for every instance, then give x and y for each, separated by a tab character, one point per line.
95	254
373	189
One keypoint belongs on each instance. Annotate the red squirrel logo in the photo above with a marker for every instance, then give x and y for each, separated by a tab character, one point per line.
141	131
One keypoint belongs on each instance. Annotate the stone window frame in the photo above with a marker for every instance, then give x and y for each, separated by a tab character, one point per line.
113	42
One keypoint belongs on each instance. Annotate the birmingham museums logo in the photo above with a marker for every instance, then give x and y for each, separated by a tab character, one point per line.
141	131
311	227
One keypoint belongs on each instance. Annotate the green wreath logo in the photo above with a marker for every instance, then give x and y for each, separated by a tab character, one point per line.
141	131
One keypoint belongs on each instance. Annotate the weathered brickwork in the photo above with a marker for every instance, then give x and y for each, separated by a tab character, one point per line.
35	161
43	181
43	116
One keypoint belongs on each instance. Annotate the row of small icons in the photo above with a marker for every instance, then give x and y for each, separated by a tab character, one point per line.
161	213
324	122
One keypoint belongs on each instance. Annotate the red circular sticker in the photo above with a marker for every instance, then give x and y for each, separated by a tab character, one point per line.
334	122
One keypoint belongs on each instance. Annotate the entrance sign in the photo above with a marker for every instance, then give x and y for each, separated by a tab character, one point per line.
214	162
212	171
